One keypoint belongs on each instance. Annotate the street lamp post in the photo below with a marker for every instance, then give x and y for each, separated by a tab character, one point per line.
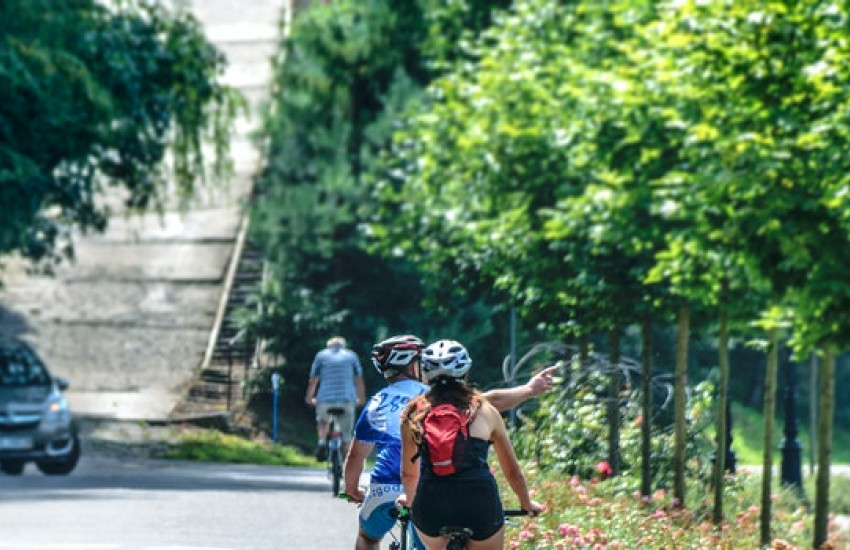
792	474
731	459
275	399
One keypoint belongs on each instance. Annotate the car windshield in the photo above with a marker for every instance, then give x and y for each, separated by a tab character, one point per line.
17	370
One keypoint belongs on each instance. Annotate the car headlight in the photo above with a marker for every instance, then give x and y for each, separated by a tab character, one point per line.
57	411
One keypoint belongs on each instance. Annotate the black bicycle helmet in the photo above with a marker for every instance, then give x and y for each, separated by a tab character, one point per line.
394	354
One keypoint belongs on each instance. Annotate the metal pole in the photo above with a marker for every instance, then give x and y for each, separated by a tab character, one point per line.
813	412
229	374
275	399
731	459
792	474
513	359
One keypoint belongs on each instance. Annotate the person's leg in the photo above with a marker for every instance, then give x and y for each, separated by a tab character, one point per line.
346	425
322	422
414	536
432	543
375	518
365	542
495	542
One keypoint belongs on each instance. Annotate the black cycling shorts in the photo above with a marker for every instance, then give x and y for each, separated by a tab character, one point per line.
473	504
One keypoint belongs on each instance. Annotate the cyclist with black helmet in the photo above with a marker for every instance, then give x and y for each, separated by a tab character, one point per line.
397	359
432	489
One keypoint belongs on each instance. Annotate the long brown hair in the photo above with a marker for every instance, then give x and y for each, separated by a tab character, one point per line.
444	389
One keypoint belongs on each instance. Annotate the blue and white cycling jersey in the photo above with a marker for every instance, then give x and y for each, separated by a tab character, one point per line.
380	424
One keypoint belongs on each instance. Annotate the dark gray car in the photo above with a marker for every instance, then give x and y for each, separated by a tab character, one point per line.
35	422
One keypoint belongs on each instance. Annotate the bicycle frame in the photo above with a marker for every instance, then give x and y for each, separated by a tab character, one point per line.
403	518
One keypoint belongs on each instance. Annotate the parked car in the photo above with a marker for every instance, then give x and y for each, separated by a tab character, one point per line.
35	422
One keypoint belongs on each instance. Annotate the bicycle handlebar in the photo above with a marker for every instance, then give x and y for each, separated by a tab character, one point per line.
403	513
345	496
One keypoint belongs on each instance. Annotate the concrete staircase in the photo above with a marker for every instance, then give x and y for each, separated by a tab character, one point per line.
216	394
131	322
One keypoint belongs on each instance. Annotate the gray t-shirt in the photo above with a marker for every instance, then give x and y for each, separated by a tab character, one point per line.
336	369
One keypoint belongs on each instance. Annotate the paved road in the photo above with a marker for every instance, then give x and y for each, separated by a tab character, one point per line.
110	504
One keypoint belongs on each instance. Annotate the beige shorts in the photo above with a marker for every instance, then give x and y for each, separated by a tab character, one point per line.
346	419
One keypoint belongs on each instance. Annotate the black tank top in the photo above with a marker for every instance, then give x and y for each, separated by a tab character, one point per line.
473	465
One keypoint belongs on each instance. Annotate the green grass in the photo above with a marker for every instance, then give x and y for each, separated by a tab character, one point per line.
214	446
748	439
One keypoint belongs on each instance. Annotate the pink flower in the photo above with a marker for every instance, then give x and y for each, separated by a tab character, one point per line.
568	530
526	535
604	469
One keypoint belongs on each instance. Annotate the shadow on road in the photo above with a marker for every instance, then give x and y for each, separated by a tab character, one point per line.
13	324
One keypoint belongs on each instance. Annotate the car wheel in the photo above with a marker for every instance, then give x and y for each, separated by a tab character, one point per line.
62	467
12	467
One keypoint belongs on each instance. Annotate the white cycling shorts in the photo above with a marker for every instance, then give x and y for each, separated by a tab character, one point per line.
375	518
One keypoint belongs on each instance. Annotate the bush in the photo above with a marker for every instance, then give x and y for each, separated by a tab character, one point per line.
568	432
612	514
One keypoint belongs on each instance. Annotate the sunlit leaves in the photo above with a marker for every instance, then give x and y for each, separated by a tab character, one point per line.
94	97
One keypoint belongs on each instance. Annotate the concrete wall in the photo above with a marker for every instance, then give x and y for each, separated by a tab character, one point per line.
129	321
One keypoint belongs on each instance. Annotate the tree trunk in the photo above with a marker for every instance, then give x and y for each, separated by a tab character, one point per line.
646	407
680	392
722	397
613	409
769	421
826	410
813	411
583	351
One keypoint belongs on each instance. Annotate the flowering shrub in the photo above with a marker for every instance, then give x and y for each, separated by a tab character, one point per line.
586	514
568	431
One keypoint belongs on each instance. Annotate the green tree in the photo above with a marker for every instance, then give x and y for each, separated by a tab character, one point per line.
92	98
341	78
772	113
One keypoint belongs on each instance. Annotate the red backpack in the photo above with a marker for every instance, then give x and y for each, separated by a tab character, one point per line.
446	431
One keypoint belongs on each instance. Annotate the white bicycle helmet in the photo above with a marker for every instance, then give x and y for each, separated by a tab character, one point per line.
393	355
445	358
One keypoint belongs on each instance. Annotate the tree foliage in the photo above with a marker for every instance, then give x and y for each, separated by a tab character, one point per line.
92	98
596	164
342	78
596	160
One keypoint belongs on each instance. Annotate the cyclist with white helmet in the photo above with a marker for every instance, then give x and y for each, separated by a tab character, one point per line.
397	359
467	496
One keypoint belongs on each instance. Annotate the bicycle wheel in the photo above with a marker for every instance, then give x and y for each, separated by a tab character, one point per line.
336	470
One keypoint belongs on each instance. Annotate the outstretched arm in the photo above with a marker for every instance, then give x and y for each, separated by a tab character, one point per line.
508	398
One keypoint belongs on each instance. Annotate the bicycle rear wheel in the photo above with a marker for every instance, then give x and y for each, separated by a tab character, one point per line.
336	471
